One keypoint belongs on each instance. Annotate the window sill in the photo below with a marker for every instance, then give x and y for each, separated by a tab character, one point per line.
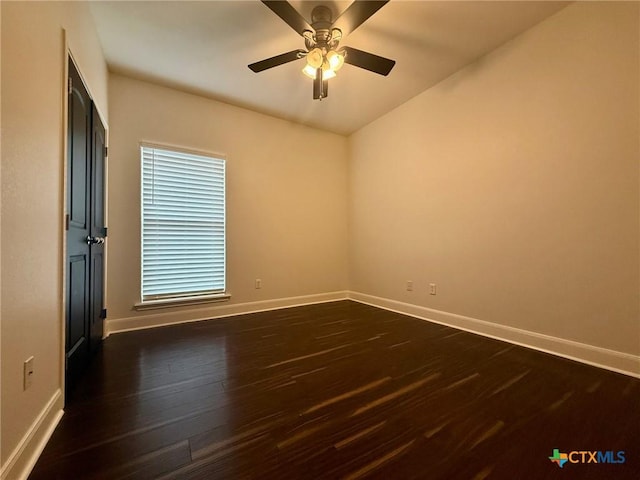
180	302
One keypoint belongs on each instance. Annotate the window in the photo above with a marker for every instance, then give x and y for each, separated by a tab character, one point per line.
183	224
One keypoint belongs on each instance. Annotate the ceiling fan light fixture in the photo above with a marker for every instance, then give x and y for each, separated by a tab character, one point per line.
328	74
335	59
327	71
309	71
312	73
315	58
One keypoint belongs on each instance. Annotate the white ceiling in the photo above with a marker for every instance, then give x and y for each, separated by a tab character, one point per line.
204	47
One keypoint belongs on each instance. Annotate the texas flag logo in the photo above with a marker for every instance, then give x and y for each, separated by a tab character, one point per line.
559	458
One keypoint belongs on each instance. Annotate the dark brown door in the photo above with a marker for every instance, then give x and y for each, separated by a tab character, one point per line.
97	234
85	230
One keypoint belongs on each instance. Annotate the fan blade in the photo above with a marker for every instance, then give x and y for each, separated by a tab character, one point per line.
356	14
368	61
277	60
289	14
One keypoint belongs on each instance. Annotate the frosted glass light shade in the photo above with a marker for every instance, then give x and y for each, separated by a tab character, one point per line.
309	71
327	74
315	58
335	59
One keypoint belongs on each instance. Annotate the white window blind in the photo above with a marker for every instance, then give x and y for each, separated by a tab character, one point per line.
183	224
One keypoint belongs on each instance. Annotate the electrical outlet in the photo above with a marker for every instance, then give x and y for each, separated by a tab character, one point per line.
28	372
409	286
432	289
258	283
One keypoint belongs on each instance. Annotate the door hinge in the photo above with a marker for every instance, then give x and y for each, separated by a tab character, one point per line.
103	314
106	151
70	86
104	233
66	222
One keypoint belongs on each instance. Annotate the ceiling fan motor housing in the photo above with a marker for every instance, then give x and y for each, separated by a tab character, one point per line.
321	23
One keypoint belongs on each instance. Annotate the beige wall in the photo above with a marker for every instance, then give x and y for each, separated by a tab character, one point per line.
513	185
33	66
286	196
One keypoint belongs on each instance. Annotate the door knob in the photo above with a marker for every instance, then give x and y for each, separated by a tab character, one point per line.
95	240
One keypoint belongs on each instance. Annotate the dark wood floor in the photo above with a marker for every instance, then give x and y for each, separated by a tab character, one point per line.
337	390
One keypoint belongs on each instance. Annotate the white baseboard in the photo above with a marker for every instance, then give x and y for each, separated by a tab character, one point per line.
151	320
24	457
620	362
597	356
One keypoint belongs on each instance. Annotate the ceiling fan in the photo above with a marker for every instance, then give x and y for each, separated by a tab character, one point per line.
323	52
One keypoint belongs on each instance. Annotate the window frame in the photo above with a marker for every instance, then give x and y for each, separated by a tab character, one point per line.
181	298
